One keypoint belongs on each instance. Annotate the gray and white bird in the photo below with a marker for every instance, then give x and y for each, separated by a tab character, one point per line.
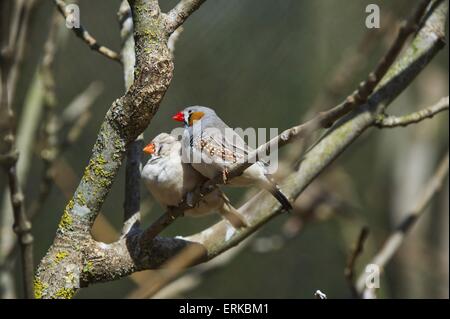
170	181
212	147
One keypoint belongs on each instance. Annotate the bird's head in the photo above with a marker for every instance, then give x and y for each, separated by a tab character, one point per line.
192	114
162	145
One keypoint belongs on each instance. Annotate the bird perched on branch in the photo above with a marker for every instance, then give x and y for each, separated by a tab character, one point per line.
213	147
170	181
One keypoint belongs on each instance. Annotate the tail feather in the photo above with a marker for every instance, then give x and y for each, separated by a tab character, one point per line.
285	204
273	188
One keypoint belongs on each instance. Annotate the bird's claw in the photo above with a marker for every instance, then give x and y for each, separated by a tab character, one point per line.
225	173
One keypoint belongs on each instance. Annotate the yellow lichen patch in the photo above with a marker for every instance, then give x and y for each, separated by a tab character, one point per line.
81	199
65	293
39	288
96	166
60	256
101	160
66	219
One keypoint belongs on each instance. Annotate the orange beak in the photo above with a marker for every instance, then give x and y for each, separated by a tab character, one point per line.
149	149
178	117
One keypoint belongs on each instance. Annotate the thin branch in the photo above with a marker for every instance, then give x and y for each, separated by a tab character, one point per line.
318	203
182	11
261	208
74	119
397	237
30	117
126	119
187	282
416	117
87	38
174	38
357	250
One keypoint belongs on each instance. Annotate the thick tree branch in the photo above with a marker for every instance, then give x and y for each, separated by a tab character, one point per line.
125	120
182	11
416	117
87	38
397	237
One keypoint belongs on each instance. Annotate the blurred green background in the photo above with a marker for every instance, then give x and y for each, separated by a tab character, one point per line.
263	63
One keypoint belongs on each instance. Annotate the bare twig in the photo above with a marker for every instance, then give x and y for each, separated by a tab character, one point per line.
18	37
416	117
261	208
26	132
182	11
357	250
172	289
209	240
84	35
397	237
22	227
353	61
